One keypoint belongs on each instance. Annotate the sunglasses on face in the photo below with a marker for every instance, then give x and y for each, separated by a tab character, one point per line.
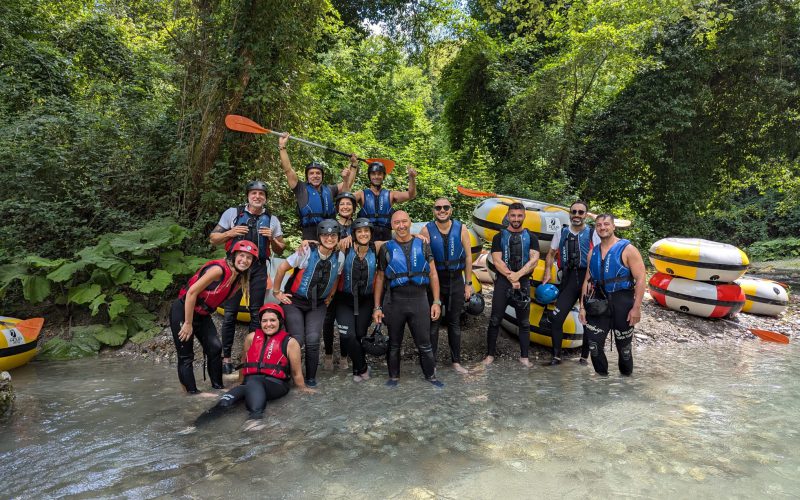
578	212
442	208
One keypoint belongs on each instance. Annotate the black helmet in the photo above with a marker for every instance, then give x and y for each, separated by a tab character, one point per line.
255	185
475	304
317	165
350	196
517	298
362	222
376	166
328	226
375	343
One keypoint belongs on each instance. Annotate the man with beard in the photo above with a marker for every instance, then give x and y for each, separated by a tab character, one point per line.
616	274
450	244
376	202
515	252
571	246
315	201
406	270
249	222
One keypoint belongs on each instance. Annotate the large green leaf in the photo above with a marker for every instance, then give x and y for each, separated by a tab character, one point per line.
177	263
159	281
158	234
119	303
83	293
96	303
35	288
121	273
145	335
11	272
102	278
41	262
101	255
138	318
114	334
82	344
66	271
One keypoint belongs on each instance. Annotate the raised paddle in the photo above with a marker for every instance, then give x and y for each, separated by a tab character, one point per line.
768	335
248	126
474	193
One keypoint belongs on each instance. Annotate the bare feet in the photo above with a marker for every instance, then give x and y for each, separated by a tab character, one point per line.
358	378
460	369
327	363
343	365
487	360
206	394
365	375
525	362
253	425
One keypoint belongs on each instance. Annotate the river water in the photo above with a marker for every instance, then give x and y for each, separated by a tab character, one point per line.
704	421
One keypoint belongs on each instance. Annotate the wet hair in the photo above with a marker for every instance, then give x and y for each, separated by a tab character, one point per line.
516	206
579	202
605	216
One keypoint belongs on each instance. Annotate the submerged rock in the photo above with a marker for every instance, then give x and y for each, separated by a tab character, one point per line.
6	393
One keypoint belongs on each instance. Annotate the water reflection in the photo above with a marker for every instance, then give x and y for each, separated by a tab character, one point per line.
703	421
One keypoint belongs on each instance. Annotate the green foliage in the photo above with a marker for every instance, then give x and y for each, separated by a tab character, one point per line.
782	248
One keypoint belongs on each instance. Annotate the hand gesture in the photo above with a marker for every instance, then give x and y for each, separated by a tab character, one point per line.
283	139
412	172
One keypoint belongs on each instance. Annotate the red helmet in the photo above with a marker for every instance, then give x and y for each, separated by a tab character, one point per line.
245	246
276	308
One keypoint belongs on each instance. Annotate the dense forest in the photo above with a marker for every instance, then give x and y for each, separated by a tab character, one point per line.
681	115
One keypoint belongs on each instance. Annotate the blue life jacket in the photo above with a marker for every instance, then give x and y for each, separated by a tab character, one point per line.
515	262
305	282
584	245
318	208
261	221
377	209
348	283
448	254
345	231
611	273
404	270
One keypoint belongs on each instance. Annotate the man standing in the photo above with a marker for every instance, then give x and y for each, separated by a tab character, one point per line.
452	253
315	201
249	222
571	246
616	274
515	252
405	269
376	202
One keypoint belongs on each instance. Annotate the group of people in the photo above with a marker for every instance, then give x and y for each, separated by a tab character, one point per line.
370	269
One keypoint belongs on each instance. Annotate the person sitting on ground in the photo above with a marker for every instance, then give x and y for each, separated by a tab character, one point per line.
190	315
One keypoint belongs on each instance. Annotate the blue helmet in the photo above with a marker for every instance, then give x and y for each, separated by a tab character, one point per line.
546	294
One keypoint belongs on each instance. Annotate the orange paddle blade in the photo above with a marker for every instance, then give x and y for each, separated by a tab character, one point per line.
474	193
29	328
243	124
387	163
770	335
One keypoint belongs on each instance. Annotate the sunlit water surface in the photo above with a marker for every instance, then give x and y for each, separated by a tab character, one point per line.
692	421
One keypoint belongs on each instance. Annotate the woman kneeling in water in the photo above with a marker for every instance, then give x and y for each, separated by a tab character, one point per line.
270	357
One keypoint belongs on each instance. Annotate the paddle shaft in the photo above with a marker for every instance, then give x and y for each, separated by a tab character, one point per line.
315	144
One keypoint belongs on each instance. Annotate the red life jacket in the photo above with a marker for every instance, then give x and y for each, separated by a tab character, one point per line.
268	356
216	293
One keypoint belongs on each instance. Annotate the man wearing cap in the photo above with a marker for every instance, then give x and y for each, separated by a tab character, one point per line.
251	222
315	200
376	202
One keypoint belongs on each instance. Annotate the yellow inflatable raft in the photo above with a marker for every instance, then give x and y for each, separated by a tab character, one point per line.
244	305
18	340
573	329
543	219
762	296
698	259
536	276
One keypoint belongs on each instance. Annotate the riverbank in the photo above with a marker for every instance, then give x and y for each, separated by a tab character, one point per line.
659	326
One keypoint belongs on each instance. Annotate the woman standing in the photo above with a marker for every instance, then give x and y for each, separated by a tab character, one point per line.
310	289
190	316
354	299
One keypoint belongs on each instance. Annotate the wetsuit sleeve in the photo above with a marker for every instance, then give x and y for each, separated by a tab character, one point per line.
496	246
228	218
275	225
300	193
534	240
382	258
334	190
427	252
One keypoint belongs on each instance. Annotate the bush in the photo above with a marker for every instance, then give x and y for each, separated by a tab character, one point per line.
782	248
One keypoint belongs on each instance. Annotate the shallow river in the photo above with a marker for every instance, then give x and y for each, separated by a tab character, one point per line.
693	421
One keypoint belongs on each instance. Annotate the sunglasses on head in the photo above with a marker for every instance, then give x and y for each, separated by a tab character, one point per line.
577	212
440	208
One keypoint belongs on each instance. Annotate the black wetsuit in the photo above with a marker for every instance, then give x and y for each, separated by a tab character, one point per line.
451	290
569	291
205	332
407	305
353	327
597	328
